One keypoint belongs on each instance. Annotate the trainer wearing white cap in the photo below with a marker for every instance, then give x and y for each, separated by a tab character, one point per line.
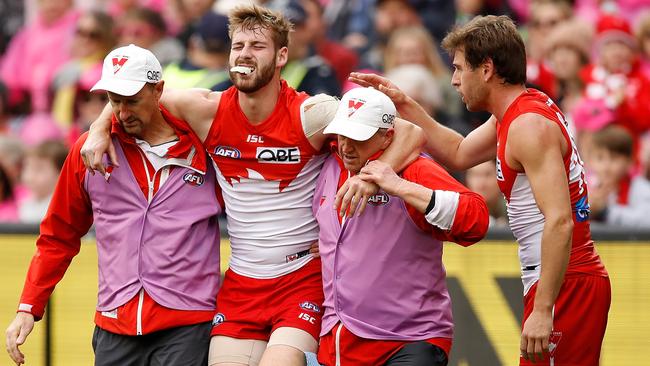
127	69
386	301
156	228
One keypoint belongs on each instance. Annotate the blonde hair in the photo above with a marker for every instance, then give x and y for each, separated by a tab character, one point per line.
433	60
253	17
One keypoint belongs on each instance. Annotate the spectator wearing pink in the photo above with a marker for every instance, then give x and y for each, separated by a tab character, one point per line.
38	50
568	51
614	83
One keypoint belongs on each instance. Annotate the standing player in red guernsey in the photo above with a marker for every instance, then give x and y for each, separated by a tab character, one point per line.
266	142
566	287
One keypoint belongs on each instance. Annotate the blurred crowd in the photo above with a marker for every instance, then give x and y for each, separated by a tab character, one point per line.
591	56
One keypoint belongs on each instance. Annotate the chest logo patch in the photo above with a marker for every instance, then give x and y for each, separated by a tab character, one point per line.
278	155
193	179
379	199
227	152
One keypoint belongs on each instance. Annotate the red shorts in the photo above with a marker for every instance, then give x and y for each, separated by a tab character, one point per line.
579	321
359	351
251	308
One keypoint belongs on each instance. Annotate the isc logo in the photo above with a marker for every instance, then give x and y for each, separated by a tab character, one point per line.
379	199
307	317
278	155
227	152
193	179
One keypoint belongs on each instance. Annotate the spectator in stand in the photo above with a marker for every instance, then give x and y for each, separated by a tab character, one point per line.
87	105
11	154
482	179
94	38
415	45
206	62
37	51
187	14
350	22
8	206
41	170
643	37
468	9
305	70
418	83
146	28
615	197
5	117
591	10
390	15
545	15
615	84
568	52
11	158
342	59
12	17
117	8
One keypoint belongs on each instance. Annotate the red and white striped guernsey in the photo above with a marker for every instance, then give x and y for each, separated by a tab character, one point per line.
526	219
268	175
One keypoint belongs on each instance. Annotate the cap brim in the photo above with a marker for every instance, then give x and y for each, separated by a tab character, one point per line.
125	88
354	131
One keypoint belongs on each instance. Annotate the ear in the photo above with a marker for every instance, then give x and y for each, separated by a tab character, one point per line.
487	69
158	89
388	139
281	57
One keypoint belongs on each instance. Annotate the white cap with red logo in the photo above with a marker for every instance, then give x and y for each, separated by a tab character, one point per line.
127	69
361	113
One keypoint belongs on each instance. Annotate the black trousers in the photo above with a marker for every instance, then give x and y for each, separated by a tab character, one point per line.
181	346
418	354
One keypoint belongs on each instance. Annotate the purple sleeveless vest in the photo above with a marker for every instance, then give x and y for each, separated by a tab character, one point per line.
382	275
169	246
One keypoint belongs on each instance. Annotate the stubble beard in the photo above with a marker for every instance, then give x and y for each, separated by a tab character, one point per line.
263	76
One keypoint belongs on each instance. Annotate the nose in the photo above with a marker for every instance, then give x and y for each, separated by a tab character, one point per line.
124	112
245	52
455	80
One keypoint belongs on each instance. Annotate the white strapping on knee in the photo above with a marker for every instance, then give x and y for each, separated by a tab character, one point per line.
232	350
294	337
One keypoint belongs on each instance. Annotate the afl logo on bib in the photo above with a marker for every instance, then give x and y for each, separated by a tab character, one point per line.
379	199
193	179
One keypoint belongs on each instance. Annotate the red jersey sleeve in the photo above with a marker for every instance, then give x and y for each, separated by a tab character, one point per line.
68	218
471	219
